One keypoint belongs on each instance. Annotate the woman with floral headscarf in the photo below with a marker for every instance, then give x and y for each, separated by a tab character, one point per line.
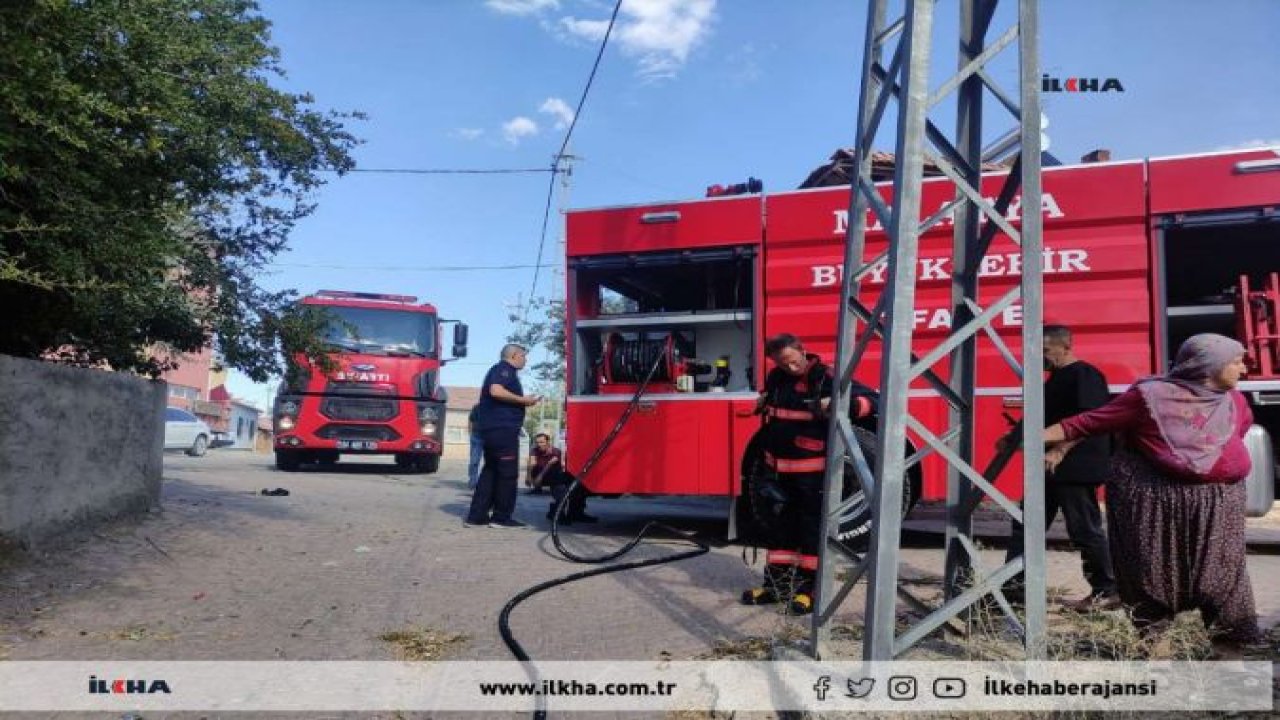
1176	500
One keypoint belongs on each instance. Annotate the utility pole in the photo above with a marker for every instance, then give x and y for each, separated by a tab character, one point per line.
565	162
889	324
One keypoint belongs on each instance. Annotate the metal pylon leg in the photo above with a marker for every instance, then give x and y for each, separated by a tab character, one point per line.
889	324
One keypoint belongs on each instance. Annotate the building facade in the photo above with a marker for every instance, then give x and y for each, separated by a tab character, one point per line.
457	441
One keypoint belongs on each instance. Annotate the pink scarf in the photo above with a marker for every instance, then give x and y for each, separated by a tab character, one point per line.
1195	420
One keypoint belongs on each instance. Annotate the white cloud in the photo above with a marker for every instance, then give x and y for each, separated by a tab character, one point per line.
518	128
467	133
1251	144
558	109
521	7
592	30
659	34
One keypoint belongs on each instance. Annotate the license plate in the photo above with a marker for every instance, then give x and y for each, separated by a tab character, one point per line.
357	445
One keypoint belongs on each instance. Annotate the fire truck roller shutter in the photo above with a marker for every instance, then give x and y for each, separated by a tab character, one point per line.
759	499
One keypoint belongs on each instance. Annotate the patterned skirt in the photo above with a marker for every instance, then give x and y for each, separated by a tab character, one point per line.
1180	546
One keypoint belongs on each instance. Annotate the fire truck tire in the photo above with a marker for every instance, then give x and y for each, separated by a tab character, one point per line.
418	463
288	460
755	506
430	464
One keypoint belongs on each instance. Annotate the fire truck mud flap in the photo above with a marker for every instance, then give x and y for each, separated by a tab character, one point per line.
755	518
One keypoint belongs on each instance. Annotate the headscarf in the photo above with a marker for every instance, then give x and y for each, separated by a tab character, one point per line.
1195	419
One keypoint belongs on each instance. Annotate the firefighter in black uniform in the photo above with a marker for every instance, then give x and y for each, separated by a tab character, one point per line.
795	404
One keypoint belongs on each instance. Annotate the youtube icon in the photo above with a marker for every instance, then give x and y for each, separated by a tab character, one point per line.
949	688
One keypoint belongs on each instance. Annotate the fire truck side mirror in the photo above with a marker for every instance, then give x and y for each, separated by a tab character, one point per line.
460	340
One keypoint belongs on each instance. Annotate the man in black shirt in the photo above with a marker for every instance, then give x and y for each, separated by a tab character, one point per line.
1073	471
499	417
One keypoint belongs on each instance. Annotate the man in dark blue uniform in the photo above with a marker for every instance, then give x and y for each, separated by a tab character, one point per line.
500	415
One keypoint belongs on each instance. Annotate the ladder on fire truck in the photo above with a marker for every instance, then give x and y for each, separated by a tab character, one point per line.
890	323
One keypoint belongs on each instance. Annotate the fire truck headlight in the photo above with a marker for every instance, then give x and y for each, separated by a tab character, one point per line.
289	407
428	428
286	423
428	413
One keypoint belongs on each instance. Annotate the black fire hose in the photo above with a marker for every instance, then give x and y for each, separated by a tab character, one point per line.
504	618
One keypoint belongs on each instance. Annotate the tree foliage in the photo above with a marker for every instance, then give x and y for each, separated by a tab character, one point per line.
149	169
541	327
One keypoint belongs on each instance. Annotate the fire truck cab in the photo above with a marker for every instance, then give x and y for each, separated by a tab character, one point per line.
1139	255
384	395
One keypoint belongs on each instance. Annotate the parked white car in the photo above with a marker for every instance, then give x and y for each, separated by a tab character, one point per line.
184	431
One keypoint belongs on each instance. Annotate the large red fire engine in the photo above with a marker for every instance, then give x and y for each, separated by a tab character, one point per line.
384	394
1139	255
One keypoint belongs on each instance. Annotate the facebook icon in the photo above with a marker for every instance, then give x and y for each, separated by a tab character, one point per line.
822	687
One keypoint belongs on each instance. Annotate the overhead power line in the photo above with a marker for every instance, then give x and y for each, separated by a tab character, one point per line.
555	165
455	171
411	268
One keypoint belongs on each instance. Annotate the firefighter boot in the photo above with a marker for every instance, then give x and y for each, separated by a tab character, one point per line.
564	519
770	592
802	600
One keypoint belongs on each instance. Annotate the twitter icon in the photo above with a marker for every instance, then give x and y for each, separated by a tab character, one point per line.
859	688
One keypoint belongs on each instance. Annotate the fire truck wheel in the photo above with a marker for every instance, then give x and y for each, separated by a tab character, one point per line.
418	463
287	460
758	507
429	464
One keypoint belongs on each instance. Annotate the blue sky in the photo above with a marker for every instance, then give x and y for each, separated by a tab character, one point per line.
690	93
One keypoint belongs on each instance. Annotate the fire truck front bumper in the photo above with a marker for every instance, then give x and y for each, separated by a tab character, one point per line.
359	445
418	428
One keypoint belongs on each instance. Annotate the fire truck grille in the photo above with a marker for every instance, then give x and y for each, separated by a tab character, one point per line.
357	388
338	431
351	408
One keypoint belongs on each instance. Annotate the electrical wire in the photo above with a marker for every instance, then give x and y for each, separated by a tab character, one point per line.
455	171
419	268
555	164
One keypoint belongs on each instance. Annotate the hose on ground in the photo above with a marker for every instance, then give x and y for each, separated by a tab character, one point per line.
504	618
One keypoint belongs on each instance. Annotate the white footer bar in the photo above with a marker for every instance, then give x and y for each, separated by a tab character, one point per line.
633	686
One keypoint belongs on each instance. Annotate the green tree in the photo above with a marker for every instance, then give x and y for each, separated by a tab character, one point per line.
541	327
149	170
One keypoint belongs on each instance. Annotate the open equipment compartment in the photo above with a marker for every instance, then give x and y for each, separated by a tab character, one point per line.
694	308
1217	268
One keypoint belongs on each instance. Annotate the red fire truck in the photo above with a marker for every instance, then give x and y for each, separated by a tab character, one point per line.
384	394
1138	256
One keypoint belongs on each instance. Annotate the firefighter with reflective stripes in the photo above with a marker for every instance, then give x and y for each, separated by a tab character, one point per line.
795	404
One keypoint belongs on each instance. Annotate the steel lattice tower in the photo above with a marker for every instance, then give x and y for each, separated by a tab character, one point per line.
889	323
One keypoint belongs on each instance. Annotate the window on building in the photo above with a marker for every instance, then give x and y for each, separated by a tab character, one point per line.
454	435
184	391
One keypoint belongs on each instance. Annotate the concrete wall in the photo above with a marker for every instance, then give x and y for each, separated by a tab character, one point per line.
76	446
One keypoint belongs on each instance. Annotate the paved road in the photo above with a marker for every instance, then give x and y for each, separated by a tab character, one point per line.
225	573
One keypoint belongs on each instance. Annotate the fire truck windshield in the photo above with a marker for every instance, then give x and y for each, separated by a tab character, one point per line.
382	332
